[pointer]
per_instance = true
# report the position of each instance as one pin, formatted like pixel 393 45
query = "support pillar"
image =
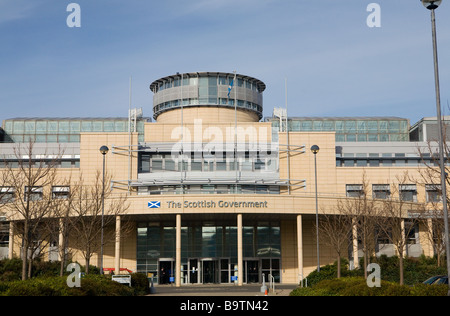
pixel 240 251
pixel 178 251
pixel 117 252
pixel 300 248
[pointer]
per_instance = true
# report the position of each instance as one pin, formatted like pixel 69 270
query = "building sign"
pixel 209 204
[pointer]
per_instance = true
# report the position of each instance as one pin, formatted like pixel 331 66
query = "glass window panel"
pixel 362 126
pixel 361 163
pixel 394 126
pixel 52 139
pixel 18 127
pixel 108 126
pixel 362 137
pixel 74 138
pixel 97 126
pixel 351 137
pixel 30 127
pixel 156 165
pixel 328 126
pixel 212 81
pixel 120 126
pixel 52 127
pixel 339 126
pixel 75 126
pixel 63 138
pixel 41 138
pixel 350 126
pixel 64 127
pixel 86 126
pixel 8 127
pixel 318 125
pixel 372 126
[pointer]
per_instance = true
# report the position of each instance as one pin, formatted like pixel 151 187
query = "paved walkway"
pixel 221 290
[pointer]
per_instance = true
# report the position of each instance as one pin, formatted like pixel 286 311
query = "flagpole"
pixel 236 165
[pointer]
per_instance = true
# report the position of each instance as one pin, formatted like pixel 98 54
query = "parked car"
pixel 437 279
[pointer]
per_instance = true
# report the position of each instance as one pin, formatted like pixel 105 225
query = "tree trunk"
pixel 339 267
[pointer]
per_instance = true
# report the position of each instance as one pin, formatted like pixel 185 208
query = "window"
pixel 433 193
pixel 6 195
pixel 354 190
pixel 408 192
pixel 381 191
pixel 34 193
pixel 60 192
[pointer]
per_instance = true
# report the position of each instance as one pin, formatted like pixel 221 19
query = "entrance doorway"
pixel 166 273
pixel 193 271
pixel 210 271
pixel 251 271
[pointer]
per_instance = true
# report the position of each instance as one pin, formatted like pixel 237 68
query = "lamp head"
pixel 104 150
pixel 315 149
pixel 431 4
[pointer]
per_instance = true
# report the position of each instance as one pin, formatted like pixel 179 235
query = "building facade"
pixel 214 192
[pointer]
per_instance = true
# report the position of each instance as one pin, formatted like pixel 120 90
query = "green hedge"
pixel 416 270
pixel 357 286
pixel 91 285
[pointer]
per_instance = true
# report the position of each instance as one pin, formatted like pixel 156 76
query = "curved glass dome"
pixel 202 89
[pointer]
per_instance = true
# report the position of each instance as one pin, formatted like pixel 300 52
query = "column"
pixel 239 250
pixel 300 247
pixel 178 251
pixel 355 243
pixel 117 253
pixel 11 240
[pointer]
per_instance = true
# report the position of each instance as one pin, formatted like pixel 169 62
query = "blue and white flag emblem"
pixel 230 87
pixel 154 204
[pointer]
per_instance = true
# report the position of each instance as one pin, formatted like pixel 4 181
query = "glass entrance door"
pixel 166 272
pixel 210 271
pixel 252 271
pixel 193 271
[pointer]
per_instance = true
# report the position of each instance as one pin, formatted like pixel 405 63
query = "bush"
pixel 330 272
pixel 48 286
pixel 358 287
pixel 140 284
pixel 91 285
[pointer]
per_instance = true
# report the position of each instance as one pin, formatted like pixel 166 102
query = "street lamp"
pixel 103 150
pixel 432 5
pixel 315 149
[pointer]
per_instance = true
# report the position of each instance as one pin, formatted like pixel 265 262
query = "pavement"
pixel 221 290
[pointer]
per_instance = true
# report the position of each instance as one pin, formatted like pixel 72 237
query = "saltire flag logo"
pixel 230 87
pixel 154 204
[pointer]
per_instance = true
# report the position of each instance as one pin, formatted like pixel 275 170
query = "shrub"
pixel 358 287
pixel 140 284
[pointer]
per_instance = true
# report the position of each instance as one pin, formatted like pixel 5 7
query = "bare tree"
pixel 430 177
pixel 392 219
pixel 86 210
pixel 27 179
pixel 364 211
pixel 335 231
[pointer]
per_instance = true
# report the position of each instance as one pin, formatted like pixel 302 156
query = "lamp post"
pixel 432 5
pixel 315 149
pixel 103 150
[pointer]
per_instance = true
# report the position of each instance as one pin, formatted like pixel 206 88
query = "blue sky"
pixel 335 65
